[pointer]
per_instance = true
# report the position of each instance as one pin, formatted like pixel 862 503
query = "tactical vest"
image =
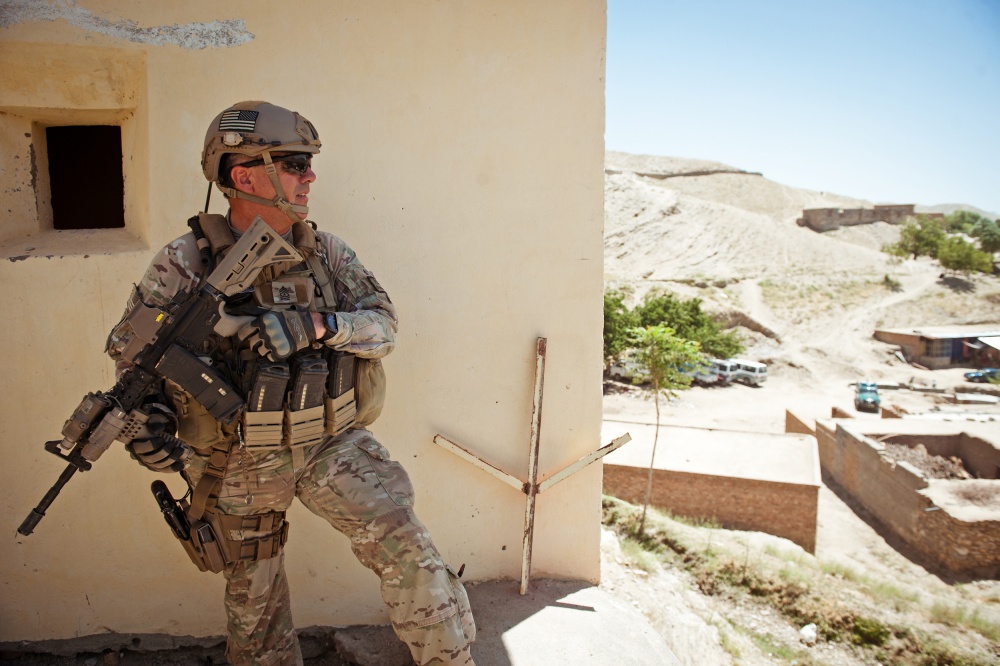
pixel 294 403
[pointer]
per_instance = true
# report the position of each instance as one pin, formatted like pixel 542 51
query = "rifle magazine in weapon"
pixel 201 381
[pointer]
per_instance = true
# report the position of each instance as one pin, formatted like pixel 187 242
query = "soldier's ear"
pixel 243 179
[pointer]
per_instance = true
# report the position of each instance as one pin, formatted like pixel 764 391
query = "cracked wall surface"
pixel 212 34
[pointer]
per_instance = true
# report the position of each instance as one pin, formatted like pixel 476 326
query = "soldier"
pixel 303 345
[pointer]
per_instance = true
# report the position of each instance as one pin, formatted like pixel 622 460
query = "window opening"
pixel 85 176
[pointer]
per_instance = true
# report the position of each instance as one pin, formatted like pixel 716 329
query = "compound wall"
pixel 828 219
pixel 903 500
pixel 783 509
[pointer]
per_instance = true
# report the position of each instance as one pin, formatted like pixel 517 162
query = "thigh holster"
pixel 217 540
pixel 214 540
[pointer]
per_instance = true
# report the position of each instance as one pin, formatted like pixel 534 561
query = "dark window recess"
pixel 85 176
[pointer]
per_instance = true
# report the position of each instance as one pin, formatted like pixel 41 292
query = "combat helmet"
pixel 258 129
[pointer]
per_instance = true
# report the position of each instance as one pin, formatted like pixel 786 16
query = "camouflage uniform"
pixel 348 480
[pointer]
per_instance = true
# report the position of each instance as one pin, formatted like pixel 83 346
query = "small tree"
pixel 956 254
pixel 918 237
pixel 618 321
pixel 988 233
pixel 665 355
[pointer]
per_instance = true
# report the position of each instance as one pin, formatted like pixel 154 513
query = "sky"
pixel 894 101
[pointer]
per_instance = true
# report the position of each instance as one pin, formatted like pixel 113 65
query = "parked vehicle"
pixel 629 367
pixel 750 372
pixel 702 374
pixel 725 370
pixel 866 397
pixel 982 376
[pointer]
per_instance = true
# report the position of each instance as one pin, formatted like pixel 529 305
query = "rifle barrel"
pixel 28 526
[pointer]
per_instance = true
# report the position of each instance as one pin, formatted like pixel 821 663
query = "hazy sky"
pixel 895 101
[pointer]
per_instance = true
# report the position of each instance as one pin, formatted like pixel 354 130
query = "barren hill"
pixel 728 236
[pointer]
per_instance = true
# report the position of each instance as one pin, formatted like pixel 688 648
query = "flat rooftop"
pixel 987 431
pixel 941 332
pixel 782 458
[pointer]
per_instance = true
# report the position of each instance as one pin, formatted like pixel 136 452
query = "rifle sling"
pixel 209 481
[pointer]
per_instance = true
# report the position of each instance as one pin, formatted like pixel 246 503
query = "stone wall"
pixel 896 495
pixel 827 219
pixel 978 456
pixel 783 509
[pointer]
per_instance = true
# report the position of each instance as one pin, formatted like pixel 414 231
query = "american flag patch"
pixel 238 121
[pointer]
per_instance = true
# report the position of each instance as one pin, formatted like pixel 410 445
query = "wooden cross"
pixel 530 486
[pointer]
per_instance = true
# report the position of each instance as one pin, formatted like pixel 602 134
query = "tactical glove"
pixel 280 333
pixel 156 448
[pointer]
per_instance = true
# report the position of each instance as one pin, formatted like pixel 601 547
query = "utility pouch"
pixel 369 385
pixel 205 548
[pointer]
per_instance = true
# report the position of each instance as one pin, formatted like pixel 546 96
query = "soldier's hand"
pixel 156 448
pixel 280 333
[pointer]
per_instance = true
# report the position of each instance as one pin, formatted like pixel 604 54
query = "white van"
pixel 725 370
pixel 750 372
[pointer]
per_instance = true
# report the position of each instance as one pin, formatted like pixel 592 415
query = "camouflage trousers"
pixel 350 482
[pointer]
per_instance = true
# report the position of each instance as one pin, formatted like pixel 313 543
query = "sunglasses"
pixel 296 163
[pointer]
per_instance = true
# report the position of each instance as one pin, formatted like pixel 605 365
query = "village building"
pixel 937 347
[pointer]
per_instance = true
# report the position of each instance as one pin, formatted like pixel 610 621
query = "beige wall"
pixel 462 159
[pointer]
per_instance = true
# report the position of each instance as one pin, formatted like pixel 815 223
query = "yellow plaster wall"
pixel 462 159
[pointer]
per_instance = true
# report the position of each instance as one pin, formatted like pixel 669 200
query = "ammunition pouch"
pixel 218 540
pixel 327 394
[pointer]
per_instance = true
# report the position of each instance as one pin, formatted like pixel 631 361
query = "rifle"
pixel 164 346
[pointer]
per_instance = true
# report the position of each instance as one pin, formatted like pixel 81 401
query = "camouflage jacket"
pixel 366 318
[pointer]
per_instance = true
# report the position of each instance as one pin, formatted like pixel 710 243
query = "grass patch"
pixel 795 575
pixel 842 602
pixel 959 616
pixel 638 556
pixel 772 648
pixel 840 571
pixel 900 599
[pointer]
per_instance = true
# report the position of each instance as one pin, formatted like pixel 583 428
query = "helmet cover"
pixel 253 128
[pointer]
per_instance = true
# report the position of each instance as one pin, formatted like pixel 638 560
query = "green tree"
pixel 618 320
pixel 963 221
pixel 988 233
pixel 664 354
pixel 918 236
pixel 688 321
pixel 961 256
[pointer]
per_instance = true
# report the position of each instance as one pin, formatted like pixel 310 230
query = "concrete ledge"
pixel 556 622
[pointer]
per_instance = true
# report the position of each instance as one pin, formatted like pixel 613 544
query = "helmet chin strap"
pixel 280 200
